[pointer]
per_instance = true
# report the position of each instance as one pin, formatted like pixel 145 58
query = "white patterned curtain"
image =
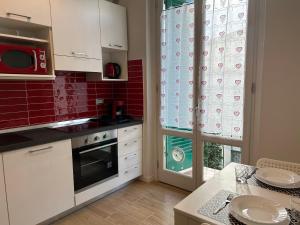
pixel 223 68
pixel 177 52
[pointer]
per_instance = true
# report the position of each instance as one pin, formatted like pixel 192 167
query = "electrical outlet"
pixel 99 101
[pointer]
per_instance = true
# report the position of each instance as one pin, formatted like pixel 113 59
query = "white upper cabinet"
pixel 39 182
pixel 113 25
pixel 32 11
pixel 76 35
pixel 3 205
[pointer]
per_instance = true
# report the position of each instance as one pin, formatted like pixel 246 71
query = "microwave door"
pixel 21 60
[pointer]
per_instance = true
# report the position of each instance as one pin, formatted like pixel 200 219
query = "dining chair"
pixel 265 162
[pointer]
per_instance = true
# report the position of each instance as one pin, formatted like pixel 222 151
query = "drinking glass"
pixel 241 173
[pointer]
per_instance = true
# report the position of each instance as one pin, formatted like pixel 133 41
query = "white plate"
pixel 255 210
pixel 278 177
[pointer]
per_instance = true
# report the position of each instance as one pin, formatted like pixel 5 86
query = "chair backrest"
pixel 264 162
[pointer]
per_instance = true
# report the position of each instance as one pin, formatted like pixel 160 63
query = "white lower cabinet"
pixel 39 182
pixel 130 153
pixel 3 205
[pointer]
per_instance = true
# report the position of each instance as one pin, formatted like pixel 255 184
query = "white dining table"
pixel 186 211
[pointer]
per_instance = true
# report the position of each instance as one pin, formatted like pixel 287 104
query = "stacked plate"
pixel 255 210
pixel 278 177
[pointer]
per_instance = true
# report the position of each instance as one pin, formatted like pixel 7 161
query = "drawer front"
pixel 129 133
pixel 129 160
pixel 130 146
pixel 131 173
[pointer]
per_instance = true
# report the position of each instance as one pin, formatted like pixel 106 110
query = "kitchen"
pixel 108 115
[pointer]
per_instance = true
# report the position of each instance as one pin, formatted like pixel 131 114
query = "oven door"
pixel 95 163
pixel 16 59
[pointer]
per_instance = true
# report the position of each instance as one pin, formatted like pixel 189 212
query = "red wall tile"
pixel 70 96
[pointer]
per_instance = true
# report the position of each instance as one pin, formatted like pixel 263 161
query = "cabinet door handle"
pixel 79 54
pixel 19 15
pixel 41 149
pixel 118 46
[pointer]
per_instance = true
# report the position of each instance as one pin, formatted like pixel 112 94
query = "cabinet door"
pixel 39 182
pixel 113 25
pixel 3 205
pixel 76 28
pixel 32 11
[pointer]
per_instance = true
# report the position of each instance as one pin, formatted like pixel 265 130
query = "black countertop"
pixel 28 138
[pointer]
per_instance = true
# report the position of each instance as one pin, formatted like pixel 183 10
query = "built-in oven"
pixel 95 158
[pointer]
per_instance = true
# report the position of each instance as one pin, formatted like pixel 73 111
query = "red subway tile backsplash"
pixel 70 96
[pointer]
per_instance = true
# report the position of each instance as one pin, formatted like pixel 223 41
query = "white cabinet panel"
pixel 130 173
pixel 113 25
pixel 76 32
pixel 97 190
pixel 129 146
pixel 130 159
pixel 39 182
pixel 129 133
pixel 32 11
pixel 130 152
pixel 3 205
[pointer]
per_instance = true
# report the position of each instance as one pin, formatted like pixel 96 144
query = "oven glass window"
pixel 17 59
pixel 95 165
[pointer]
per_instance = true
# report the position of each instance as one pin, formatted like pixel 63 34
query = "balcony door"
pixel 205 95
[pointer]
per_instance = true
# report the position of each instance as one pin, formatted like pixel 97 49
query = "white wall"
pixel 136 16
pixel 279 123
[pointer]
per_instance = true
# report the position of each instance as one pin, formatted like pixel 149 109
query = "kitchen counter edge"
pixel 42 136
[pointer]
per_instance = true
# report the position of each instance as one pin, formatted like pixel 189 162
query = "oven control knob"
pixel 104 136
pixel 96 138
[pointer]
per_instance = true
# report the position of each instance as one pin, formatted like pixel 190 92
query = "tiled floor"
pixel 137 204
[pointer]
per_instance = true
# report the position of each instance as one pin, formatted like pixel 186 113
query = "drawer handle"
pixel 132 156
pixel 125 144
pixel 79 54
pixel 125 131
pixel 126 172
pixel 19 15
pixel 41 149
pixel 135 141
pixel 119 46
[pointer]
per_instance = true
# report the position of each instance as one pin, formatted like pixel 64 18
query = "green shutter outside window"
pixel 174 3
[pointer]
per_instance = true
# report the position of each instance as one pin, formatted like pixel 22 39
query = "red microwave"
pixel 18 59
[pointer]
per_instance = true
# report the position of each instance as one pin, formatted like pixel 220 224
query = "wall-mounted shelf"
pixel 25 34
pixel 6 76
pixel 112 56
pixel 22 38
pixel 115 56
